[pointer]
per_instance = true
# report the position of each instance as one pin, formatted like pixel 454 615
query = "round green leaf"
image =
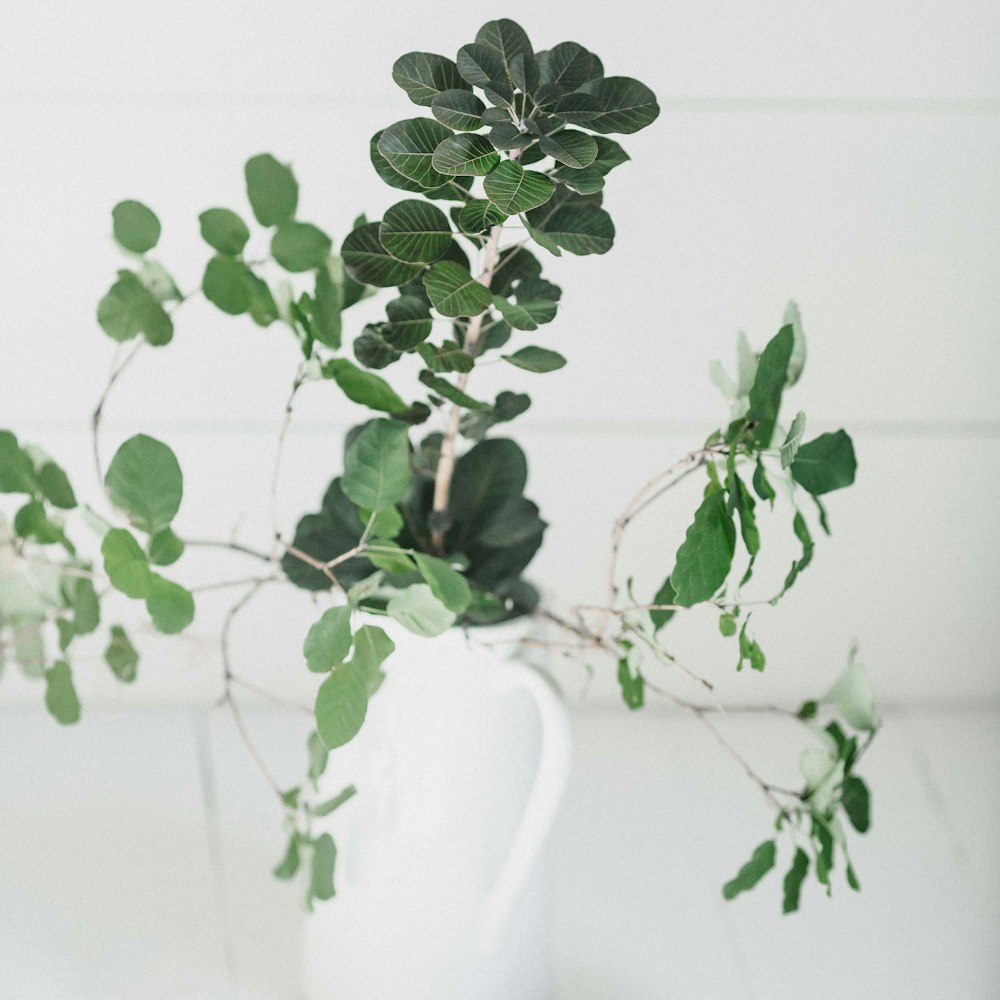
pixel 575 149
pixel 454 292
pixel 458 109
pixel 272 189
pixel 377 465
pixel 408 147
pixel 610 104
pixel 328 641
pixel 453 190
pixel 226 284
pixel 420 612
pixel 415 232
pixel 514 190
pixel 580 230
pixel 129 308
pixel 125 563
pixel 536 359
pixel 479 215
pixel 300 246
pixel 507 38
pixel 136 227
pixel 169 605
pixel 55 486
pixel 409 323
pixel 480 64
pixel 609 155
pixel 424 75
pixel 165 548
pixel 60 695
pixel 224 231
pixel 826 463
pixel 585 180
pixel 341 704
pixel 144 480
pixel 568 66
pixel 465 154
pixel 369 262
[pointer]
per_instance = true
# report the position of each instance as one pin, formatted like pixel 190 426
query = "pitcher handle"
pixel 543 802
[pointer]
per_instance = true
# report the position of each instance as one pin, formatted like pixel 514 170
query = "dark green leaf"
pixel 706 554
pixel 125 563
pixel 486 476
pixel 479 215
pixel 136 227
pixel 480 64
pixel 324 859
pixel 363 387
pixel 424 75
pixel 60 695
pixel 328 641
pixel 466 154
pixel 577 227
pixel 536 359
pixel 826 463
pixel 609 155
pixel 801 530
pixel 507 406
pixel 765 394
pixel 272 189
pixel 507 38
pixel 169 605
pixel 224 231
pixel 568 66
pixel 752 872
pixel 370 263
pixel 129 308
pixel 514 190
pixel 227 285
pixel 857 803
pixel 165 548
pixel 852 879
pixel 289 864
pixel 665 595
pixel 610 104
pixel 409 323
pixel 454 291
pixel 450 392
pixel 17 472
pixel 377 466
pixel 145 481
pixel 568 146
pixel 449 357
pixel 589 180
pixel 121 656
pixel 372 350
pixel 415 232
pixel 633 688
pixel 453 190
pixel 744 504
pixel 300 246
pixel 761 484
pixel 793 881
pixel 408 147
pixel 55 485
pixel 526 315
pixel 328 301
pixel 458 109
pixel 341 704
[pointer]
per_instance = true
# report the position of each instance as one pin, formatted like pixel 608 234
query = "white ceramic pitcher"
pixel 441 894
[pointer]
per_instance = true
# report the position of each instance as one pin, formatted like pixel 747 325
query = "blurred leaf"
pixel 289 864
pixel 633 687
pixel 224 231
pixel 136 227
pixel 328 640
pixel 793 440
pixel 363 387
pixel 332 805
pixel 121 656
pixel 300 246
pixel 144 480
pixel 793 881
pixel 536 359
pixel 665 595
pixel 324 859
pixel 377 465
pixel 60 695
pixel 165 548
pixel 341 704
pixel 857 803
pixel 169 605
pixel 418 610
pixel 826 463
pixel 125 563
pixel 752 872
pixel 272 189
pixel 706 554
pixel 129 308
pixel 446 583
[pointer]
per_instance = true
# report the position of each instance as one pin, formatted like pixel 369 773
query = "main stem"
pixel 446 463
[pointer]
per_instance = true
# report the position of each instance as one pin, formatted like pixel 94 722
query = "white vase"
pixel 442 882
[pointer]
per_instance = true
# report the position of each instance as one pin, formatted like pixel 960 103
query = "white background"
pixel 846 156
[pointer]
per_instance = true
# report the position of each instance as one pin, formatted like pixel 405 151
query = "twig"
pixel 277 699
pixel 203 543
pixel 224 584
pixel 278 453
pixel 95 419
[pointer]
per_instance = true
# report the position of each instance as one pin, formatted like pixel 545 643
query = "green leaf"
pixel 458 109
pixel 377 465
pixel 513 522
pixel 328 641
pixel 31 522
pixel 727 625
pixel 853 695
pixel 341 704
pixel 574 149
pixel 536 359
pixel 169 605
pixel 409 323
pixel 370 263
pixel 526 315
pixel 454 292
pixel 455 189
pixel 609 155
pixel 300 246
pixel 706 554
pixel 289 864
pixel 165 548
pixel 328 301
pixel 272 189
pixel 568 66
pixel 372 647
pixel 60 695
pixel 798 359
pixel 852 878
pixel 387 524
pixel 444 388
pixel 826 463
pixel 136 227
pixel 408 147
pixel 481 65
pixel 56 487
pixel 633 688
pixel 576 226
pixel 363 387
pixel 332 805
pixel 419 611
pixel 665 595
pixel 750 650
pixel 449 357
pixel 424 76
pixel 744 504
pixel 514 190
pixel 125 563
pixel 121 656
pixel 324 859
pixel 761 484
pixel 446 583
pixel 610 104
pixel 589 180
pixel 318 756
pixel 752 872
pixel 17 472
pixel 129 308
pixel 793 440
pixel 466 155
pixel 415 232
pixel 479 215
pixel 224 231
pixel 857 803
pixel 145 481
pixel 486 476
pixel 793 881
pixel 765 394
pixel 85 604
pixel 227 284
pixel 507 38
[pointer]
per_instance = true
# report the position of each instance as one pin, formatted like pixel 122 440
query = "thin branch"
pixel 243 582
pixel 204 543
pixel 95 420
pixel 277 699
pixel 278 453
